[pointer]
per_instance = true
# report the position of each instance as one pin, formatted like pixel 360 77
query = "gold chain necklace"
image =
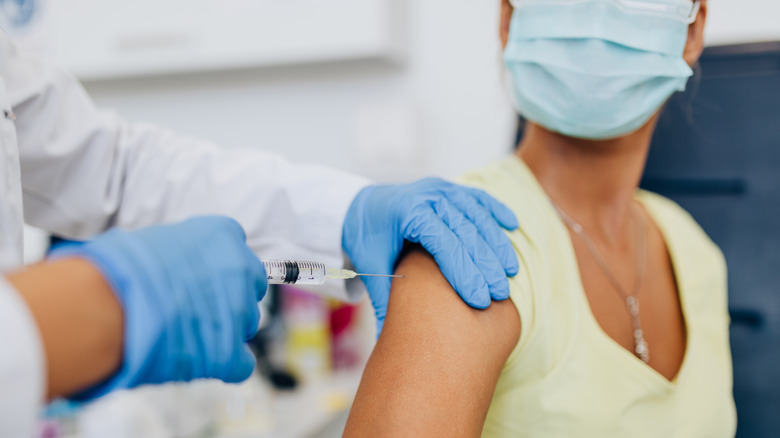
pixel 632 300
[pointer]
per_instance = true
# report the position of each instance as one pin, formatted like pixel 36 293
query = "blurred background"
pixel 396 90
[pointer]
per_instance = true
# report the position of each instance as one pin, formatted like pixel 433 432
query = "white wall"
pixel 743 21
pixel 443 109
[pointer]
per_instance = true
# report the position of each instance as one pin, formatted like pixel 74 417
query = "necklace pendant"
pixel 640 344
pixel 633 306
pixel 641 349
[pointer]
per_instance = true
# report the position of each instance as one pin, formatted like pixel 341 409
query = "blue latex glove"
pixel 189 292
pixel 459 226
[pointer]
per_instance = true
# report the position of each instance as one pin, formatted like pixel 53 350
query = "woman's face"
pixel 693 47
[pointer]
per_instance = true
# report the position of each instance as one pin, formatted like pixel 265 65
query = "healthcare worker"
pixel 158 299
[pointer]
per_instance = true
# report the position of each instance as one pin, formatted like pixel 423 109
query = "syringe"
pixel 299 272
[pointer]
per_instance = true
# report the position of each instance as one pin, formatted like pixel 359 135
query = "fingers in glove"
pixel 235 321
pixel 483 255
pixel 184 331
pixel 498 210
pixel 259 281
pixel 233 226
pixel 252 282
pixel 212 224
pixel 241 366
pixel 453 259
pixel 495 239
pixel 252 320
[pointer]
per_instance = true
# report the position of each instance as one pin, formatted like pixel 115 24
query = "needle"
pixel 380 275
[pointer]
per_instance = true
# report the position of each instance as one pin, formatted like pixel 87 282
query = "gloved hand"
pixel 189 292
pixel 459 226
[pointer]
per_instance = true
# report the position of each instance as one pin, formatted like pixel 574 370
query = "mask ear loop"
pixel 694 11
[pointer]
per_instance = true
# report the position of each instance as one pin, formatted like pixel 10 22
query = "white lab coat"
pixel 71 169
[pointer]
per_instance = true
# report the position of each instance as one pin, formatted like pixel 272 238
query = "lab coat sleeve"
pixel 85 170
pixel 22 372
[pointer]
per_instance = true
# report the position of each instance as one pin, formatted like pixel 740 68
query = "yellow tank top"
pixel 566 377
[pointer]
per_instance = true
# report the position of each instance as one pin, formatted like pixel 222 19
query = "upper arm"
pixel 437 362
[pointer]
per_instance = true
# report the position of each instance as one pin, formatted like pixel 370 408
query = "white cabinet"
pixel 101 39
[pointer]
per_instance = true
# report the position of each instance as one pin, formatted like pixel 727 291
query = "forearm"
pixel 286 209
pixel 79 319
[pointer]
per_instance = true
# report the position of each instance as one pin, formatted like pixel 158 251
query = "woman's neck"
pixel 594 182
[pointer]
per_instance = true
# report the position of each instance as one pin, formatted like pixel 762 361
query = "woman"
pixel 573 353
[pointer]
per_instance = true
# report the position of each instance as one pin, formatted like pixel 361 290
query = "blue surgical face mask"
pixel 596 69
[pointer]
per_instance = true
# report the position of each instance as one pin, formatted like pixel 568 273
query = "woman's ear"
pixel 506 19
pixel 695 44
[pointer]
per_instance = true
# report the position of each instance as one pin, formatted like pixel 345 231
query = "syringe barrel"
pixel 295 272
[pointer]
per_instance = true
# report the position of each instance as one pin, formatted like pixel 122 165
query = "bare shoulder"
pixel 424 298
pixel 436 364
